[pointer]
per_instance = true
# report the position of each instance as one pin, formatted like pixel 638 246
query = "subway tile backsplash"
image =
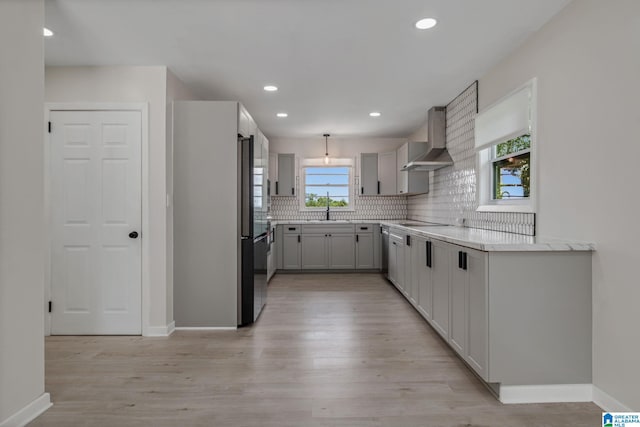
pixel 366 207
pixel 452 193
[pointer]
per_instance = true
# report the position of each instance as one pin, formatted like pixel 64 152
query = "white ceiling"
pixel 334 61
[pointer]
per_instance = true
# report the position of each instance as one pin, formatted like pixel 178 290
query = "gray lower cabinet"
pixel 368 246
pixel 440 258
pixel 397 260
pixel 504 313
pixel 289 255
pixel 342 251
pixel 314 252
pixel 329 247
pixel 425 281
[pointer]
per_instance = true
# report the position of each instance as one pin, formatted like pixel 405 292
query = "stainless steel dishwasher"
pixel 385 250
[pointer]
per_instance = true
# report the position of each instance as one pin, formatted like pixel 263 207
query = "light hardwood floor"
pixel 329 350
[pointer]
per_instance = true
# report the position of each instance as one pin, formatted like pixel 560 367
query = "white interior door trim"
pixel 143 108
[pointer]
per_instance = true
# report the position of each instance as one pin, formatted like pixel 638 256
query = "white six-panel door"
pixel 95 187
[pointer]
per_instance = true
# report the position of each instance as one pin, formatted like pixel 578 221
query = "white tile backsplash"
pixel 366 207
pixel 452 194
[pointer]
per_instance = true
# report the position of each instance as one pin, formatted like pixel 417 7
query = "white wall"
pixel 176 91
pixel 132 84
pixel 338 147
pixel 587 60
pixel 21 210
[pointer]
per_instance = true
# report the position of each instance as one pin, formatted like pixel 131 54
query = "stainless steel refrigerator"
pixel 255 229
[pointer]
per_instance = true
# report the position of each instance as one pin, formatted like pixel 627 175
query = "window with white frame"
pixel 327 185
pixel 505 141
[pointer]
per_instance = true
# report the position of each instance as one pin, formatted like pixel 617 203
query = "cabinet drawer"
pixel 291 229
pixel 328 229
pixel 364 228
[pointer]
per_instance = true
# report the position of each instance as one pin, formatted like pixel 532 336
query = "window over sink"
pixel 327 184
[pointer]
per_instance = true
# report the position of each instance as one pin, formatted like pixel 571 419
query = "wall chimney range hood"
pixel 436 155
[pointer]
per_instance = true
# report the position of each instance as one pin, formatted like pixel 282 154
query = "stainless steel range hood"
pixel 436 155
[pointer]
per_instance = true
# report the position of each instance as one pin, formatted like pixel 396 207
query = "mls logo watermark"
pixel 620 419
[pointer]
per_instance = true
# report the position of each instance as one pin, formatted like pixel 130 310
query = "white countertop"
pixel 475 238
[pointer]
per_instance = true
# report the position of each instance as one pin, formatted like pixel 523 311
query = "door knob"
pixel 133 234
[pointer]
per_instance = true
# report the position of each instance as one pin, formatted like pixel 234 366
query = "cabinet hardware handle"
pixel 298 238
pixel 357 238
pixel 378 187
pixel 361 190
pixel 428 254
pixel 408 240
pixel 459 259
pixel 293 191
pixel 364 228
pixel 464 260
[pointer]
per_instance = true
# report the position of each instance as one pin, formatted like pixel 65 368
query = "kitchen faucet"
pixel 327 206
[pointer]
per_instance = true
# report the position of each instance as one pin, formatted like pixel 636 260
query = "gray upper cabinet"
pixel 411 182
pixel 387 174
pixel 403 177
pixel 286 184
pixel 369 183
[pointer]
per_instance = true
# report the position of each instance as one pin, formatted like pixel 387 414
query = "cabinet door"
pixel 365 251
pixel 392 261
pixel 417 265
pixel 387 174
pixel 425 293
pixel 400 262
pixel 458 301
pixel 291 252
pixel 342 251
pixel 440 259
pixel 286 183
pixel 314 251
pixel 273 171
pixel 403 177
pixel 369 174
pixel 477 354
pixel 417 182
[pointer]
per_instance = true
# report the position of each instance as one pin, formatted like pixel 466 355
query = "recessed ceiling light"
pixel 270 88
pixel 47 32
pixel 282 115
pixel 374 114
pixel 426 23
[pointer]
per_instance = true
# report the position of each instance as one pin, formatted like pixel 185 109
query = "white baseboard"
pixel 160 331
pixel 607 402
pixel 551 393
pixel 29 413
pixel 206 328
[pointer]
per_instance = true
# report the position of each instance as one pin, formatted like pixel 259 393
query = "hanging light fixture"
pixel 326 148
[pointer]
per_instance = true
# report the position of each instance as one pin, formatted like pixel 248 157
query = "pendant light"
pixel 326 148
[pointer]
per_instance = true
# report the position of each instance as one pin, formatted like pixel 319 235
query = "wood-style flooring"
pixel 329 350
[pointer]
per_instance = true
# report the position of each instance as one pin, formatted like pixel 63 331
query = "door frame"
pixel 143 109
